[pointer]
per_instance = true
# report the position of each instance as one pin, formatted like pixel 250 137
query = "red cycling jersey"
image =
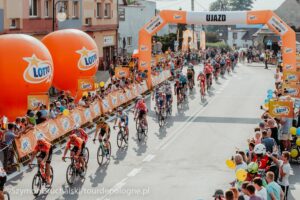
pixel 44 147
pixel 208 69
pixel 81 133
pixel 141 106
pixel 76 143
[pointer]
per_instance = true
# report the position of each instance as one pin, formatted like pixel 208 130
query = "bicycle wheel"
pixel 160 120
pixel 51 177
pixel 100 155
pixel 71 174
pixel 36 185
pixel 109 151
pixel 120 139
pixel 86 154
pixel 6 195
pixel 140 133
pixel 137 123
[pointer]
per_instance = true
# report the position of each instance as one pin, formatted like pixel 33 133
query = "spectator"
pixel 31 118
pixel 260 190
pixel 285 135
pixel 52 111
pixel 284 172
pixel 229 195
pixel 244 192
pixel 219 195
pixel 8 139
pixel 274 191
pixel 239 162
pixel 251 192
pixel 235 193
pixel 268 141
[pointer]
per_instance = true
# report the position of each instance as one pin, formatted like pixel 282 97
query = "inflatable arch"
pixel 279 27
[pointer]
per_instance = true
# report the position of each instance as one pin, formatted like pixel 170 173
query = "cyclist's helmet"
pixel 101 119
pixel 139 97
pixel 72 137
pixel 252 168
pixel 260 149
pixel 120 109
pixel 40 141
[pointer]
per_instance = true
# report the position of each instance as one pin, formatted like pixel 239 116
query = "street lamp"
pixel 61 15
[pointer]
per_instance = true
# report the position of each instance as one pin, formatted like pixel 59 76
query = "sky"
pixel 202 5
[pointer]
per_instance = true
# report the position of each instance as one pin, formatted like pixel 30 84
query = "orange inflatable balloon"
pixel 75 56
pixel 25 69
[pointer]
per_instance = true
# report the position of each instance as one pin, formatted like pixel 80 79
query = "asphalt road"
pixel 184 160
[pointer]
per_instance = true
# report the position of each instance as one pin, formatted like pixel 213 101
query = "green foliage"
pixel 218 45
pixel 219 5
pixel 166 40
pixel 212 37
pixel 241 4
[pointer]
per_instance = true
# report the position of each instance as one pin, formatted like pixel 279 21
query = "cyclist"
pixel 190 74
pixel 123 118
pixel 177 90
pixel 183 82
pixel 208 70
pixel 45 149
pixel 161 101
pixel 104 130
pixel 202 79
pixel 80 133
pixel 154 96
pixel 77 150
pixel 3 178
pixel 168 91
pixel 141 110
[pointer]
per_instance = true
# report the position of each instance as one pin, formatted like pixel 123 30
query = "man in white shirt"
pixel 260 190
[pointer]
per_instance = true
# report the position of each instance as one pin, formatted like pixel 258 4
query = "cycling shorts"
pixel 42 155
pixel 141 114
pixel 75 149
pixel 2 182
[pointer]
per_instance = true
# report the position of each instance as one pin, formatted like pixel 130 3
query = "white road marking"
pixel 148 158
pixel 134 172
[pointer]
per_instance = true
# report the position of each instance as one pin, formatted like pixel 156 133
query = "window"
pixel 129 41
pixel 107 10
pixel 75 9
pixel 63 8
pixel 88 21
pixel 234 36
pixel 47 8
pixel 122 14
pixel 14 23
pixel 99 10
pixel 33 8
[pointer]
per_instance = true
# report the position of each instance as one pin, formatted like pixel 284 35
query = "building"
pixel 35 17
pixel 132 17
pixel 240 36
pixel 1 16
pixel 288 11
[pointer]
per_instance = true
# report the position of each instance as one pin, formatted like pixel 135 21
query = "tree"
pixel 180 29
pixel 219 5
pixel 241 4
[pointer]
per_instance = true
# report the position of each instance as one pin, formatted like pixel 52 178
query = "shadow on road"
pixel 98 177
pixel 120 155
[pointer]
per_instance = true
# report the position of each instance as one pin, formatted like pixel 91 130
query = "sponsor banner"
pixel 106 106
pixel 293 89
pixel 288 67
pixel 281 109
pixel 291 76
pixel 34 101
pixel 114 99
pixel 278 25
pixel 122 72
pixel 161 58
pixel 88 59
pixel 122 97
pixel 96 109
pixel 87 84
pixel 37 71
pixel 153 25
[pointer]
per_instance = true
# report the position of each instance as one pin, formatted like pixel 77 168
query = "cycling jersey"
pixel 81 133
pixel 183 79
pixel 168 90
pixel 208 69
pixel 44 147
pixel 123 117
pixel 141 106
pixel 161 100
pixel 76 143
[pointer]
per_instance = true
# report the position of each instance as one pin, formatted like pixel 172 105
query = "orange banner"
pixel 122 72
pixel 34 101
pixel 86 84
pixel 281 108
pixel 293 89
pixel 291 76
